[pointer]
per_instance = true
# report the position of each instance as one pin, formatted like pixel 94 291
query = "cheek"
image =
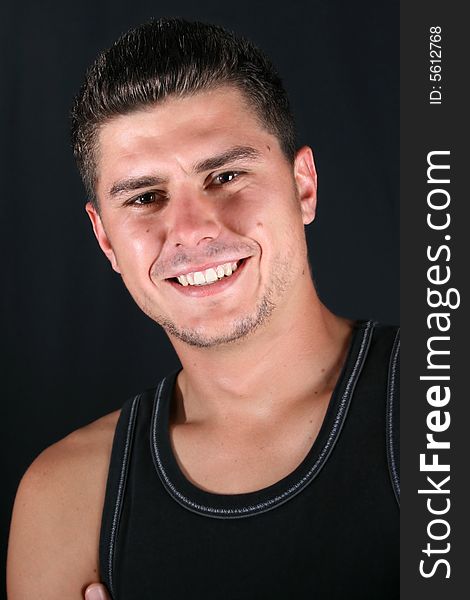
pixel 246 212
pixel 269 219
pixel 137 245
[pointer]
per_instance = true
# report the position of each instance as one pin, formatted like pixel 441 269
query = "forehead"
pixel 179 130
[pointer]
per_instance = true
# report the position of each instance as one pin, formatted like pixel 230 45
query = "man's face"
pixel 203 215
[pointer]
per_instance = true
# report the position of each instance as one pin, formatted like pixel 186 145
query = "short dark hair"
pixel 174 57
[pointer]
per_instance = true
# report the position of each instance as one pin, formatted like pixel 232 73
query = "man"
pixel 267 466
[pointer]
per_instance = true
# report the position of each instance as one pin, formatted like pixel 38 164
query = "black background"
pixel 74 346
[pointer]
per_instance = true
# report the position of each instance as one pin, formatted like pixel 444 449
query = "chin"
pixel 224 334
pixel 203 337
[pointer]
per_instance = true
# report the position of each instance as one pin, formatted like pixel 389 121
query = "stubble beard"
pixel 242 327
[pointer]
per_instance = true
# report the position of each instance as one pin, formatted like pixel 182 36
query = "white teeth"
pixel 209 275
pixel 199 278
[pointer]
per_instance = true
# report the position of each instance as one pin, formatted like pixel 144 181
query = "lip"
pixel 201 291
pixel 205 266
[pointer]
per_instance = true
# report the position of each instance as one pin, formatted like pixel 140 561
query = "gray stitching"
pixel 262 506
pixel 391 395
pixel 119 496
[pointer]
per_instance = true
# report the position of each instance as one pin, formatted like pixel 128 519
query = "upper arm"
pixel 54 536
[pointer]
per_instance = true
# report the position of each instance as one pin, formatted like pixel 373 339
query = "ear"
pixel 305 176
pixel 101 235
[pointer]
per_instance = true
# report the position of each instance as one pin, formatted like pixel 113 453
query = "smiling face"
pixel 203 215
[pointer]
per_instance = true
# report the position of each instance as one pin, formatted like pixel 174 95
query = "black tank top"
pixel 328 530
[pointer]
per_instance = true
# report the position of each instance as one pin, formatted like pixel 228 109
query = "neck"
pixel 298 353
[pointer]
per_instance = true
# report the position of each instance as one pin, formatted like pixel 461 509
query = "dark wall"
pixel 74 345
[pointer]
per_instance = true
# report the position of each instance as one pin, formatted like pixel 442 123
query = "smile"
pixel 209 276
pixel 209 282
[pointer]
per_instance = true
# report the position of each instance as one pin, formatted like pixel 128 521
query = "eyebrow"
pixel 230 155
pixel 208 164
pixel 135 183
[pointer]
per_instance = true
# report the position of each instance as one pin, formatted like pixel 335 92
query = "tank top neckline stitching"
pixel 293 489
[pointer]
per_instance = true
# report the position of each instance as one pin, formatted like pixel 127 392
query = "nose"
pixel 192 219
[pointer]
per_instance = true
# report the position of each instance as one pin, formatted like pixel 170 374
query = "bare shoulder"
pixel 54 536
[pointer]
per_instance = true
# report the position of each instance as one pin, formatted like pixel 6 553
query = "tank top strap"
pixel 393 417
pixel 116 483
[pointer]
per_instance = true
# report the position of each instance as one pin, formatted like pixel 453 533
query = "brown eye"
pixel 143 199
pixel 224 178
